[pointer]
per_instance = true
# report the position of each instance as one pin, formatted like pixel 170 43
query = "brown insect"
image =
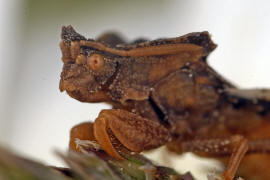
pixel 164 93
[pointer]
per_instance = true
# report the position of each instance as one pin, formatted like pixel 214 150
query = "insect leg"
pixel 131 130
pixel 235 146
pixel 82 131
pixel 239 151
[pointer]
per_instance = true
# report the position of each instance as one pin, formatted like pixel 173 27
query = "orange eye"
pixel 95 61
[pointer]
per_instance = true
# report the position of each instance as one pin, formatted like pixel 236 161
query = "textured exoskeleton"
pixel 164 93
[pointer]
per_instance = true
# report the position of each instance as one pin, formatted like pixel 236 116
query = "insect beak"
pixel 61 85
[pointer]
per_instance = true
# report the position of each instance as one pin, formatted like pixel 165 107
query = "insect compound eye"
pixel 95 61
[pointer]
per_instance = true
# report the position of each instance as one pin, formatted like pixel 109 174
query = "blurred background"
pixel 35 118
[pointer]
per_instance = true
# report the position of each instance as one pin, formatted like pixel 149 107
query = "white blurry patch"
pixel 187 162
pixel 86 143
